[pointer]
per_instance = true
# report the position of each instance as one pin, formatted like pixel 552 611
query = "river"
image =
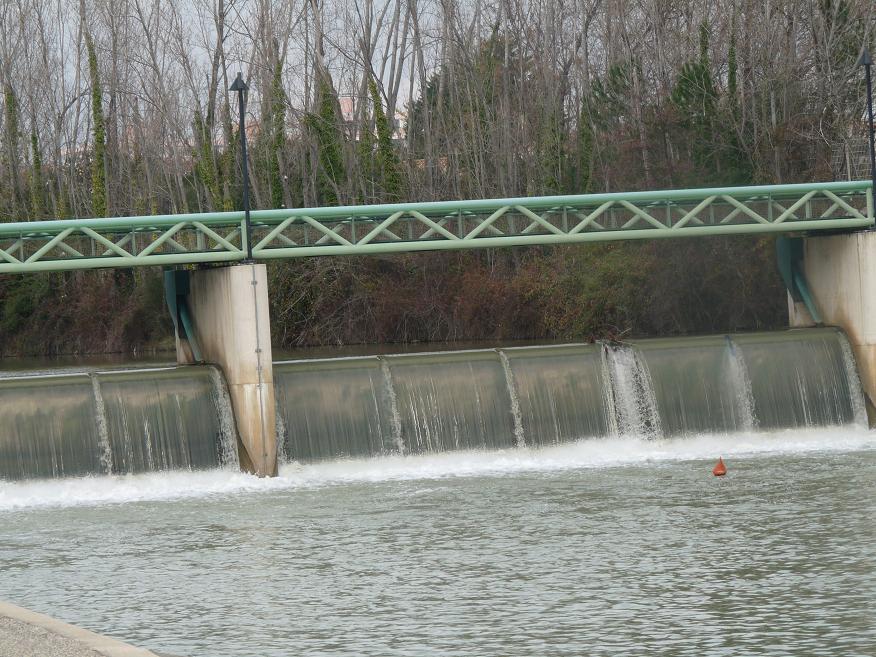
pixel 616 546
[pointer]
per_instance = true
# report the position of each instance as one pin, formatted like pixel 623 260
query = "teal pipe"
pixel 789 253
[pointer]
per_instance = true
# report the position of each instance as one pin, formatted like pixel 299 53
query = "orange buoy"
pixel 720 469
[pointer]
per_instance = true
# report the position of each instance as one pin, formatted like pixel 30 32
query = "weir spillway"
pixel 546 395
pixel 114 422
pixel 129 421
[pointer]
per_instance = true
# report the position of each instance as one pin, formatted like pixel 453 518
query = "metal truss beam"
pixel 452 225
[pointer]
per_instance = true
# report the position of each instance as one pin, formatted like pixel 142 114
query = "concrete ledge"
pixel 25 633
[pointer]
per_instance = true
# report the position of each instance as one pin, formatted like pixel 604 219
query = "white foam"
pixel 100 490
pixel 593 453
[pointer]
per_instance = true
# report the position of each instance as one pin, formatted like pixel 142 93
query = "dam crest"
pixel 180 418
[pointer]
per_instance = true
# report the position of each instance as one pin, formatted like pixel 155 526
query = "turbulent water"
pixel 612 547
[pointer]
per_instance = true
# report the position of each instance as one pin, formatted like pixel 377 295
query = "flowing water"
pixel 62 424
pixel 552 500
pixel 550 395
pixel 612 547
pixel 66 423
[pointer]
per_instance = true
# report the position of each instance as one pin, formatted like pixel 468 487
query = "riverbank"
pixel 25 633
pixel 565 294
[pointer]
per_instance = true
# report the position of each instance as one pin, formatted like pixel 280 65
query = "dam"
pixel 459 494
pixel 127 421
pixel 216 285
pixel 479 487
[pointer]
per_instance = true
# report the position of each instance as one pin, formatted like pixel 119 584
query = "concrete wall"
pixel 229 308
pixel 841 273
pixel 25 633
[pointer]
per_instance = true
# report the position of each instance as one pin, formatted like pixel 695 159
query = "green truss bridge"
pixel 374 229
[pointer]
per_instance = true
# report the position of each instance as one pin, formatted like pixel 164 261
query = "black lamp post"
pixel 241 88
pixel 866 61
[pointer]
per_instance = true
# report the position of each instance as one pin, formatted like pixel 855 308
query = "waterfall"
pixel 485 399
pixel 127 421
pixel 635 404
pixel 336 407
pixel 856 391
pixel 740 387
pixel 282 438
pixel 515 400
pixel 452 400
pixel 394 415
pixel 228 455
pixel 118 421
pixel 801 378
pixel 561 391
pixel 613 428
pixel 106 452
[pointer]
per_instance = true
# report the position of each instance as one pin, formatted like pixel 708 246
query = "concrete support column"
pixel 229 311
pixel 841 273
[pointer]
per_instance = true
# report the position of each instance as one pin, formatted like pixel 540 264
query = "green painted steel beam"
pixel 72 264
pixel 536 240
pixel 449 225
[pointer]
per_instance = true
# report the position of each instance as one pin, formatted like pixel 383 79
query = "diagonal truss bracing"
pixel 451 225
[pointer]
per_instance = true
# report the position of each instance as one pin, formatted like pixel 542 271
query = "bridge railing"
pixel 394 228
pixel 70 244
pixel 563 219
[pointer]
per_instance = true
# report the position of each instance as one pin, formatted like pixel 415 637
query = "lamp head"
pixel 240 85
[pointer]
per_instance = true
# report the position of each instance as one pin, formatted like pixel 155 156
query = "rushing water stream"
pixel 524 501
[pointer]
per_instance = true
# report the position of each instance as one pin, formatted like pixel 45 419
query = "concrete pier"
pixel 229 313
pixel 841 273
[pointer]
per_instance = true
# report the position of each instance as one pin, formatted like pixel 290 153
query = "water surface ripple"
pixel 529 552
